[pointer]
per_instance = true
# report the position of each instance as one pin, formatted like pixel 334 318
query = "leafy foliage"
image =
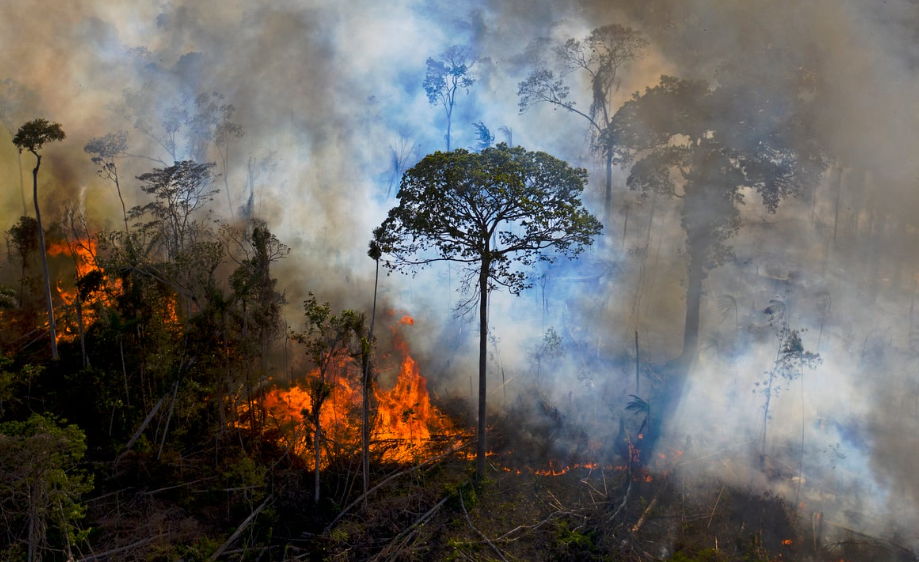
pixel 32 136
pixel 452 206
pixel 40 485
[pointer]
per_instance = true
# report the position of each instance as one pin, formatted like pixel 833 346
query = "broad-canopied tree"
pixel 709 146
pixel 496 212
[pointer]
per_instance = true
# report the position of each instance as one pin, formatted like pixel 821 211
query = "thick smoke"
pixel 329 96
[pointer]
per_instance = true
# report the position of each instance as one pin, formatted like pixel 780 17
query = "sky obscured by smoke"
pixel 328 92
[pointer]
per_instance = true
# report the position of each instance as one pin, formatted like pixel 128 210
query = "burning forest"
pixel 307 280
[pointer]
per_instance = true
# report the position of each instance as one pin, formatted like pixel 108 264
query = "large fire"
pixel 405 426
pixel 83 255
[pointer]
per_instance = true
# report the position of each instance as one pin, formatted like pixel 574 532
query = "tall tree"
pixel 367 342
pixel 495 212
pixel 256 300
pixel 446 77
pixel 104 152
pixel 706 146
pixel 32 136
pixel 601 55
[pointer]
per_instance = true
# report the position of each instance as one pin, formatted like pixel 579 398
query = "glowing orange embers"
pixel 406 425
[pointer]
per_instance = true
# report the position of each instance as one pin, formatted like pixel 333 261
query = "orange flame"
pixel 405 426
pixel 83 254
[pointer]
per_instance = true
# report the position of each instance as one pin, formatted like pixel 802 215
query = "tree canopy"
pixel 503 206
pixel 32 136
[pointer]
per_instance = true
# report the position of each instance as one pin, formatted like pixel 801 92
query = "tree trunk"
pixel 483 356
pixel 693 305
pixel 22 187
pixel 365 405
pixel 316 445
pixel 44 260
pixel 82 329
pixel 609 184
pixel 124 209
pixel 766 414
pixel 226 182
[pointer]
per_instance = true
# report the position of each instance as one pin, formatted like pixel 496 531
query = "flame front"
pixel 405 427
pixel 83 254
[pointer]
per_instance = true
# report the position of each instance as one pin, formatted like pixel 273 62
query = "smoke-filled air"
pixel 521 280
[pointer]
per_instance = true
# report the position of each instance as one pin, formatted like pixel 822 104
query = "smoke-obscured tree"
pixel 547 354
pixel 495 212
pixel 708 147
pixel 32 136
pixel 484 137
pixel 22 242
pixel 400 155
pixel 213 120
pixel 445 77
pixel 790 361
pixel 105 151
pixel 161 121
pixel 601 55
pixel 16 101
pixel 183 123
pixel 329 339
pixel 256 300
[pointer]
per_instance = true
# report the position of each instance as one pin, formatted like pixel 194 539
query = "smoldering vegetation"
pixel 805 380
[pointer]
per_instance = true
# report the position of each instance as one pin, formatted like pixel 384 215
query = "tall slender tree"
pixel 601 55
pixel 104 152
pixel 495 212
pixel 445 78
pixel 32 136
